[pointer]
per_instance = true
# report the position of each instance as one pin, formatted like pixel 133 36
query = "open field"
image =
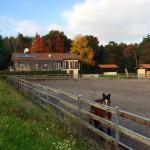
pixel 129 95
pixel 26 126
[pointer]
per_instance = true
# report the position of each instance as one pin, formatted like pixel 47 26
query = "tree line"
pixel 90 51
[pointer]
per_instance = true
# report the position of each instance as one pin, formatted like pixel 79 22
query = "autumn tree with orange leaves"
pixel 85 53
pixel 57 41
pixel 38 45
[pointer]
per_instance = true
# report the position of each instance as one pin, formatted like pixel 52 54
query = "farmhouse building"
pixel 68 62
pixel 143 71
pixel 108 69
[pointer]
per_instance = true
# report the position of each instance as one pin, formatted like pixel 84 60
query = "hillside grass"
pixel 26 126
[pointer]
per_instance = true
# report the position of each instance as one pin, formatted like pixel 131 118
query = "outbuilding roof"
pixel 145 66
pixel 44 56
pixel 108 66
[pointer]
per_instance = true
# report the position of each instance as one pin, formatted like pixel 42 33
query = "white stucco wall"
pixel 75 71
pixel 147 74
pixel 110 73
pixel 141 73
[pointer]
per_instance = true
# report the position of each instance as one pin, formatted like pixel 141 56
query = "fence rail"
pixel 83 76
pixel 72 105
pixel 45 76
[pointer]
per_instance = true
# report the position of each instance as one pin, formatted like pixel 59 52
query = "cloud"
pixel 27 27
pixel 54 27
pixel 10 26
pixel 119 20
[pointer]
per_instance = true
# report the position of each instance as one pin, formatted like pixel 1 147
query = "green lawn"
pixel 25 126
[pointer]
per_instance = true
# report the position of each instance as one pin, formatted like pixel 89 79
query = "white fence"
pixel 76 107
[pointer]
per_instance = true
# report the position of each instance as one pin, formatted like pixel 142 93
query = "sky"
pixel 110 20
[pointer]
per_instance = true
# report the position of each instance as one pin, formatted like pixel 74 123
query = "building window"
pixel 65 65
pixel 45 65
pixel 73 65
pixel 59 65
pixel 36 66
pixel 21 65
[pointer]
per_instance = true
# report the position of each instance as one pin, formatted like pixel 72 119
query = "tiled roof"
pixel 64 56
pixel 108 66
pixel 43 56
pixel 145 66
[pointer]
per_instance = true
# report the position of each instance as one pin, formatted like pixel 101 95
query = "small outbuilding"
pixel 143 71
pixel 108 69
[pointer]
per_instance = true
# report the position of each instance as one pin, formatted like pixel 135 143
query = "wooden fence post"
pixel 77 85
pixel 59 103
pixel 39 88
pixel 47 96
pixel 19 85
pixel 23 87
pixel 32 90
pixel 16 83
pixel 79 106
pixel 35 87
pixel 117 136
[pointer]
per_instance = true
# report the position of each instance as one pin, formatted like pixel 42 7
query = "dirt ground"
pixel 131 95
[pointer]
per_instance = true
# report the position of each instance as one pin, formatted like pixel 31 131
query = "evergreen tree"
pixel 5 55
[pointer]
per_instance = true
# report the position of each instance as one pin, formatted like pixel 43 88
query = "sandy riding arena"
pixel 132 95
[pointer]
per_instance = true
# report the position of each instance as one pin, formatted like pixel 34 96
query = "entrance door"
pixel 71 73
